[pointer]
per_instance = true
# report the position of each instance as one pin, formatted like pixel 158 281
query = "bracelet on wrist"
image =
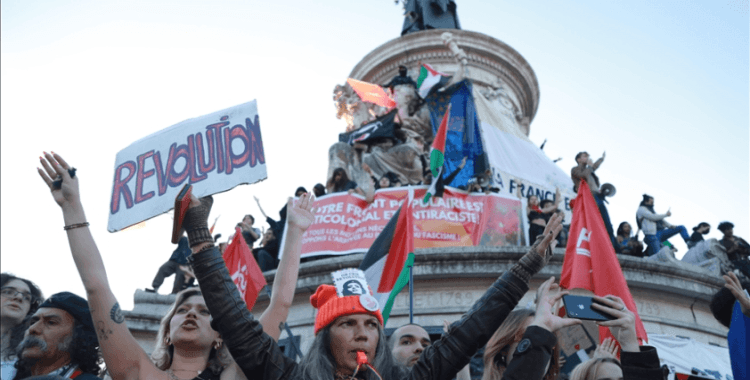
pixel 77 225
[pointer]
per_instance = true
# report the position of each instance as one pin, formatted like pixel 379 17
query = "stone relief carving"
pixel 352 109
pixel 404 158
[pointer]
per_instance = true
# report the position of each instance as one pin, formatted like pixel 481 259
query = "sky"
pixel 661 86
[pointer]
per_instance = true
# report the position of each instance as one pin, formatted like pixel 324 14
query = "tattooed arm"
pixel 124 357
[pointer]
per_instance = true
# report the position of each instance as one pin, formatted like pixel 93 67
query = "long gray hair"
pixel 320 364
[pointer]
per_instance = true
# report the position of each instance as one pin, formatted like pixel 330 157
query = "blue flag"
pixel 463 138
pixel 738 339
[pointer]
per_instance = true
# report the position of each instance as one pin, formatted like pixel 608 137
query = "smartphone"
pixel 579 307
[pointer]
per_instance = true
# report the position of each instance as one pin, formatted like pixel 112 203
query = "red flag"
pixel 245 272
pixel 590 261
pixel 371 93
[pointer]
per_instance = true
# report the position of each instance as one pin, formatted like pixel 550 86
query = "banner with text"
pixel 346 223
pixel 214 153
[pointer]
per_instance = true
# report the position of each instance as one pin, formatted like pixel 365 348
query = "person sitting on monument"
pixel 19 300
pixel 60 340
pixel 172 267
pixel 388 180
pixel 186 345
pixel 648 221
pixel 539 214
pixel 349 333
pixel 738 251
pixel 624 234
pixel 319 190
pixel 339 182
pixel 249 233
pixel 268 251
pixel 562 238
pixel 585 170
pixel 696 237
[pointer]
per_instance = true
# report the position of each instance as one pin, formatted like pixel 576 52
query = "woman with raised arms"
pixel 349 339
pixel 186 347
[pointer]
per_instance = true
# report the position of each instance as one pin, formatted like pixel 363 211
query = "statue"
pixel 412 114
pixel 400 154
pixel 429 14
pixel 403 153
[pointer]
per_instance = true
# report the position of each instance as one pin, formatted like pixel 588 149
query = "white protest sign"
pixel 350 282
pixel 214 153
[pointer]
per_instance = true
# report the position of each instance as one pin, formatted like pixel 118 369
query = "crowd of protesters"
pixel 208 333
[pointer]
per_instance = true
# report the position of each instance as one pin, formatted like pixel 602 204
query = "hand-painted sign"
pixel 346 223
pixel 214 153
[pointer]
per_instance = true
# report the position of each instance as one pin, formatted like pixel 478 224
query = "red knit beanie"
pixel 330 306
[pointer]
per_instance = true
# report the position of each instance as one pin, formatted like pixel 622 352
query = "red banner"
pixel 244 270
pixel 347 223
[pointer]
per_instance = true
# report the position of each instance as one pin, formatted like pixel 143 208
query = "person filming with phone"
pixel 637 362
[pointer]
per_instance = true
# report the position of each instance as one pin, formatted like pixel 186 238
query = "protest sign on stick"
pixel 214 153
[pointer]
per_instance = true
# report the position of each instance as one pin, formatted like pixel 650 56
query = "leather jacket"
pixel 260 357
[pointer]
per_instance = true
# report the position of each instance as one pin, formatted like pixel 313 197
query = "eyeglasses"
pixel 12 292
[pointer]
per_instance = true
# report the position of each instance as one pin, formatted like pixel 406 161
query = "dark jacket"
pixel 532 354
pixel 642 365
pixel 182 252
pixel 260 357
pixel 535 351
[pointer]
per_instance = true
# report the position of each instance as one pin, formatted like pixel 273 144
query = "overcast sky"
pixel 661 86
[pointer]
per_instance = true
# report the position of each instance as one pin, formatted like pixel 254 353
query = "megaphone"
pixel 608 190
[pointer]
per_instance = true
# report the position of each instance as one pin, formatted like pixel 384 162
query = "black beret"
pixel 74 305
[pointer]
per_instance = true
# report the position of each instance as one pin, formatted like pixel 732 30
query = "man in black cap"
pixel 61 340
pixel 738 250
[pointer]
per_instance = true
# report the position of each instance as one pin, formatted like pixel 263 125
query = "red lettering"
pixel 193 170
pixel 238 132
pixel 160 174
pixel 121 187
pixel 217 132
pixel 256 142
pixel 202 167
pixel 228 150
pixel 175 179
pixel 139 196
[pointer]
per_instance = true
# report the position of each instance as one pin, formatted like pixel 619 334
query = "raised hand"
pixel 548 295
pixel 622 328
pixel 300 212
pixel 607 349
pixel 55 168
pixel 553 228
pixel 734 286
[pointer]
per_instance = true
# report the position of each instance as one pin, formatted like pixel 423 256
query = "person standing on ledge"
pixel 585 170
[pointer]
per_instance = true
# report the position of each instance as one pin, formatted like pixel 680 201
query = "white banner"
pixel 684 354
pixel 513 159
pixel 214 153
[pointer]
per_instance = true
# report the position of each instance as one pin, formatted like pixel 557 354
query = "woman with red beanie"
pixel 349 339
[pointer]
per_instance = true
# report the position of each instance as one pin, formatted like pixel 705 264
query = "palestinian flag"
pixel 385 262
pixel 429 80
pixel 437 155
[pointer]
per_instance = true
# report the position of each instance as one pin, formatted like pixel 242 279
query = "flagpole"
pixel 411 296
pixel 286 328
